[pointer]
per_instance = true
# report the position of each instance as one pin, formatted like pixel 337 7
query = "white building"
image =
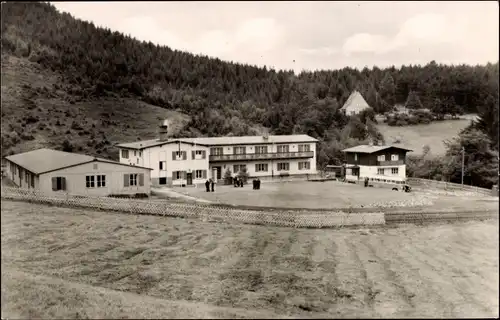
pixel 377 163
pixel 355 104
pixel 188 161
pixel 51 172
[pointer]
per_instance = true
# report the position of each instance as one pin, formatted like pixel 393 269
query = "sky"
pixel 309 35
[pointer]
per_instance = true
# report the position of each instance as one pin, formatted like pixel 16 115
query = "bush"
pixel 67 146
pixel 413 120
pixel 401 123
pixel 27 136
pixel 228 177
pixel 243 175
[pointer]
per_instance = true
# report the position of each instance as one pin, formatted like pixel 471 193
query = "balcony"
pixel 390 163
pixel 262 156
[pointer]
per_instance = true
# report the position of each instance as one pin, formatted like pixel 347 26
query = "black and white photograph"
pixel 249 159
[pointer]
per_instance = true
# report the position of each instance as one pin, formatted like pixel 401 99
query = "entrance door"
pixel 216 173
pixel 189 178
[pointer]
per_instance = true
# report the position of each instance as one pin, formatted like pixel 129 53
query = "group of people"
pixel 238 182
pixel 210 184
pixel 256 184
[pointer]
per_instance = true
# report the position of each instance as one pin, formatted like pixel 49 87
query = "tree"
pixel 413 101
pixel 481 162
pixel 387 90
pixel 67 146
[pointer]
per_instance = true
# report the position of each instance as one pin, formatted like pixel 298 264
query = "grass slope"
pixel 417 136
pixel 39 108
pixel 448 270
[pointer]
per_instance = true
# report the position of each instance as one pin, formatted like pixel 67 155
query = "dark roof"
pixel 47 160
pixel 371 149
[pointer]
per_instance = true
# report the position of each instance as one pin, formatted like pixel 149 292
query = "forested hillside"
pixel 222 98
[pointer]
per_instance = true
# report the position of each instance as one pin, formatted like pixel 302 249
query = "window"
pixel 135 153
pixel 101 181
pixel 283 148
pixel 198 152
pixel 90 181
pixel 261 150
pixel 21 172
pixel 260 167
pixel 163 181
pixel 163 165
pixel 304 147
pixel 179 155
pixel 218 151
pixel 198 174
pixel 133 179
pixel 176 175
pixel 125 154
pixel 137 160
pixel 95 166
pixel 395 157
pixel 239 167
pixel 283 166
pixel 394 170
pixel 381 157
pixel 239 150
pixel 27 177
pixel 140 153
pixel 304 165
pixel 355 157
pixel 380 171
pixel 32 181
pixel 58 183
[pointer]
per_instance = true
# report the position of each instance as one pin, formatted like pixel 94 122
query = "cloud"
pixel 309 35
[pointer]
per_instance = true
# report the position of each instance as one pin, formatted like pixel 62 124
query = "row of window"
pixel 29 178
pixel 125 154
pixel 218 151
pixel 282 166
pixel 381 171
pixel 99 181
pixel 182 175
pixel 394 157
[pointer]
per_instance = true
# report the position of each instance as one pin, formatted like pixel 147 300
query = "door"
pixel 189 178
pixel 216 173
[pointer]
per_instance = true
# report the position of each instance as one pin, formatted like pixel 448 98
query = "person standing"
pixel 213 185
pixel 207 185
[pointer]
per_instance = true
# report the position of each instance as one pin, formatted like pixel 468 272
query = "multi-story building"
pixel 189 161
pixel 377 163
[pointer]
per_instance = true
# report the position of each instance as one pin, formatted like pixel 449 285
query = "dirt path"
pixel 446 270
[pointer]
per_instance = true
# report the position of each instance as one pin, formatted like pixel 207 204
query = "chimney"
pixel 164 130
pixel 265 136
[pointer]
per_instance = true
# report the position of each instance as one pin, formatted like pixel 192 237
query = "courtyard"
pixel 335 194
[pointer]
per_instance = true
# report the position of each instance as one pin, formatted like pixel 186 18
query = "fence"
pixel 417 182
pixel 312 219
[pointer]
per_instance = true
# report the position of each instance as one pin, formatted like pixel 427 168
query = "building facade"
pixel 52 172
pixel 377 163
pixel 191 161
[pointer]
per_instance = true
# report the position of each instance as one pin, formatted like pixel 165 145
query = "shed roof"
pixel 218 141
pixel 46 160
pixel 371 149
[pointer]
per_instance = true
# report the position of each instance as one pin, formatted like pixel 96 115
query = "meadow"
pixel 63 263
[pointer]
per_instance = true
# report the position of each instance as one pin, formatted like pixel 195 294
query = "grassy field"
pixel 333 194
pixel 433 134
pixel 61 263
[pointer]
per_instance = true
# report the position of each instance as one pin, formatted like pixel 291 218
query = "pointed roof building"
pixel 354 104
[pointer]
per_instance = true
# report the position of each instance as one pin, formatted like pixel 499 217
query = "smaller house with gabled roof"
pixel 51 171
pixel 377 163
pixel 355 104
